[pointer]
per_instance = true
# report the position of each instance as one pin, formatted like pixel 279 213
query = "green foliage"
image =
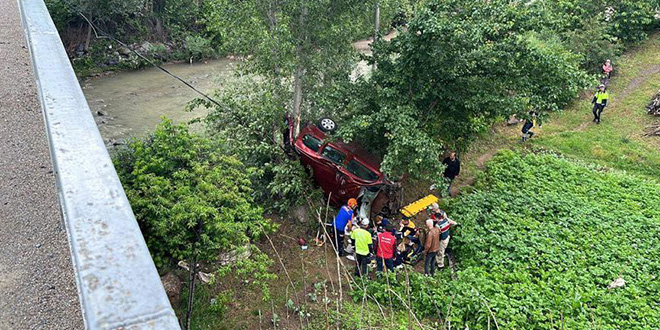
pixel 539 242
pixel 253 270
pixel 198 48
pixel 189 198
pixel 249 125
pixel 451 76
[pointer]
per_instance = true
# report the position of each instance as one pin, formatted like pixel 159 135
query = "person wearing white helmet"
pixel 363 247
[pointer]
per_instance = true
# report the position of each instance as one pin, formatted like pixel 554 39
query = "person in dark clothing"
pixel 530 123
pixel 381 223
pixel 409 231
pixel 452 170
pixel 600 102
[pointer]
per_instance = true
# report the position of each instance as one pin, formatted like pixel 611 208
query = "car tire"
pixel 327 125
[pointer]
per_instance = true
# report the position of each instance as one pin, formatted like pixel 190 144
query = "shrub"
pixel 188 197
pixel 540 241
pixel 197 47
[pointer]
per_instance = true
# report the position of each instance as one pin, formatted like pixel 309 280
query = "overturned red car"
pixel 342 170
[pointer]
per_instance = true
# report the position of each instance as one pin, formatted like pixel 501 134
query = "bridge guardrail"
pixel 118 285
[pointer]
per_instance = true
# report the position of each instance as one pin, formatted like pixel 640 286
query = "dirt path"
pixel 635 83
pixel 364 45
pixel 575 119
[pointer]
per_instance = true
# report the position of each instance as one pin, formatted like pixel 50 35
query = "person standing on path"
pixel 343 218
pixel 363 247
pixel 431 247
pixel 607 69
pixel 600 102
pixel 444 225
pixel 452 170
pixel 385 250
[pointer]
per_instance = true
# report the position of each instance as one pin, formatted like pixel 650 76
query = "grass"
pixel 618 142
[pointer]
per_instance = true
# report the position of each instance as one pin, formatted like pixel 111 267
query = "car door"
pixel 329 173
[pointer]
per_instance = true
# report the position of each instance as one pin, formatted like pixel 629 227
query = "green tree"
pixel 190 200
pixel 99 12
pixel 460 66
pixel 243 126
pixel 300 45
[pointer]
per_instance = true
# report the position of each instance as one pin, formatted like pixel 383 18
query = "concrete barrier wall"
pixel 118 284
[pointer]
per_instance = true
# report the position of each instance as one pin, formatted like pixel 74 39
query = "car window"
pixel 311 142
pixel 361 171
pixel 334 155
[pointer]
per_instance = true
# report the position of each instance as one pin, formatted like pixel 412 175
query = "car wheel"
pixel 327 125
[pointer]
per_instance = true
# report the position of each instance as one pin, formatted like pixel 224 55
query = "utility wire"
pixel 100 33
pixel 150 61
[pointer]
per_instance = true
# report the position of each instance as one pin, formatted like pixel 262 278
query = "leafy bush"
pixel 541 239
pixel 188 197
pixel 197 47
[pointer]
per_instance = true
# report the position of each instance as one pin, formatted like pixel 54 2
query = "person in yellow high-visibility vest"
pixel 530 123
pixel 600 102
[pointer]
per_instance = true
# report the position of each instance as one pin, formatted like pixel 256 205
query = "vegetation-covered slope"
pixel 541 239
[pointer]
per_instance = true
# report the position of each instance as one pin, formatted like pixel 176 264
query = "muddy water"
pixel 132 103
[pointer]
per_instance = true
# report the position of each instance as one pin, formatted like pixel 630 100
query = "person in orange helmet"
pixel 344 218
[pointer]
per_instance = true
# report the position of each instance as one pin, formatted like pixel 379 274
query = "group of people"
pixel 387 245
pixel 599 101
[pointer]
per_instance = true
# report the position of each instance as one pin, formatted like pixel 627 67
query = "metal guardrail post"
pixel 118 285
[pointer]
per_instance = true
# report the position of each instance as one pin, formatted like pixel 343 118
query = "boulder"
pixel 124 51
pixel 231 257
pixel 300 214
pixel 172 285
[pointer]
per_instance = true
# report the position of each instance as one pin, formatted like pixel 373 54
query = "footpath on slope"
pixel 37 287
pixel 619 142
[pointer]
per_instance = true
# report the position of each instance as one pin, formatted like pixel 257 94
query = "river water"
pixel 132 103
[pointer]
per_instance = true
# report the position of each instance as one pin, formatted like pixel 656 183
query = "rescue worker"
pixel 363 247
pixel 380 223
pixel 344 218
pixel 385 250
pixel 410 232
pixel 600 102
pixel 528 125
pixel 431 247
pixel 444 225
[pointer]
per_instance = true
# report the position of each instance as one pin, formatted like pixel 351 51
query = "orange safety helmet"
pixel 352 202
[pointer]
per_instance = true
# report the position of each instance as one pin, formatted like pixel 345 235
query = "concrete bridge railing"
pixel 118 285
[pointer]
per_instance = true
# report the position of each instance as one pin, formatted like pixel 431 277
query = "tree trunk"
pixel 298 76
pixel 191 291
pixel 89 33
pixel 377 21
pixel 297 98
pixel 271 13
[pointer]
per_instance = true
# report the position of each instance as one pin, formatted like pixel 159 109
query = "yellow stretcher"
pixel 413 208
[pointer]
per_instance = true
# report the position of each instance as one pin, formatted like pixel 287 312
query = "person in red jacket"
pixel 386 246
